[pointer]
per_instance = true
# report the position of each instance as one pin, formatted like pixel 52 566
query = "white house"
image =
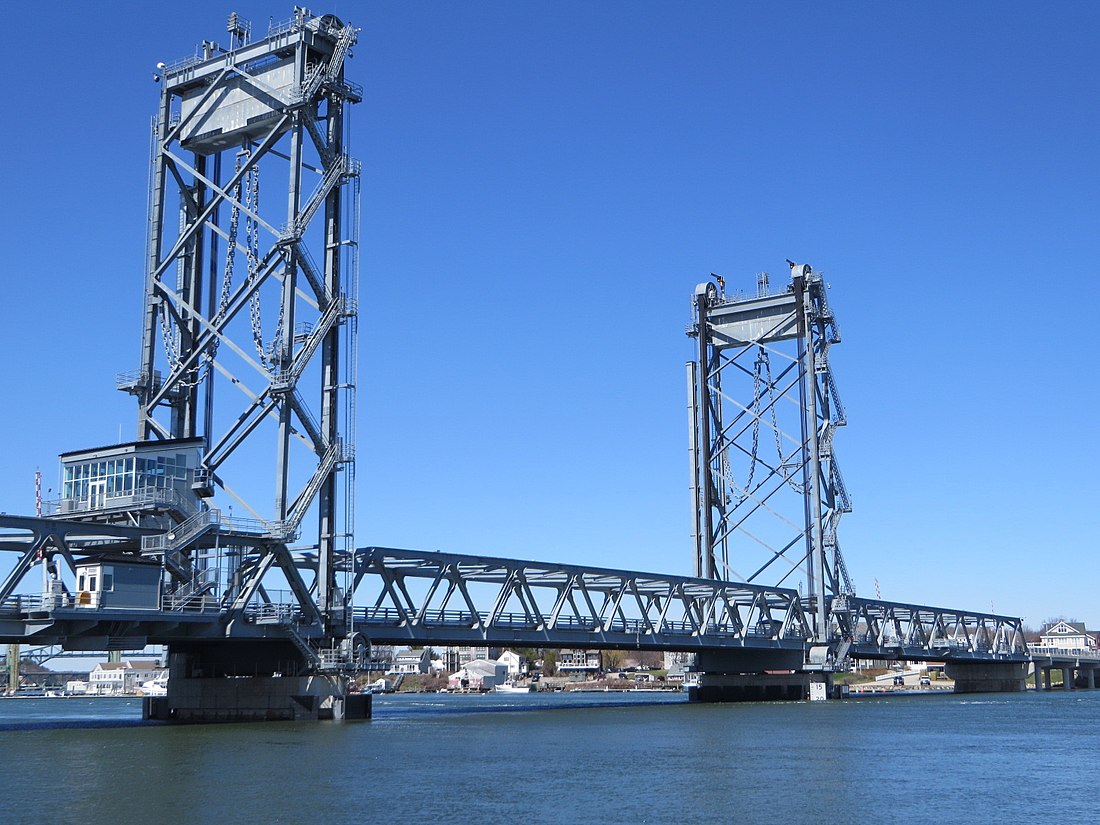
pixel 480 674
pixel 411 661
pixel 677 664
pixel 455 657
pixel 1067 636
pixel 516 664
pixel 122 677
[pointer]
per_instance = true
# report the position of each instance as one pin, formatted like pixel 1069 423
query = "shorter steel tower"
pixel 767 493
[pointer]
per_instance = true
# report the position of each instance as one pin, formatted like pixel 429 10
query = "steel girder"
pixel 763 406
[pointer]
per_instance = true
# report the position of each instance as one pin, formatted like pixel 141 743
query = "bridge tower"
pixel 248 340
pixel 767 492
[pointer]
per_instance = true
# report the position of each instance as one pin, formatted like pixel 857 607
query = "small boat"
pixel 155 687
pixel 512 687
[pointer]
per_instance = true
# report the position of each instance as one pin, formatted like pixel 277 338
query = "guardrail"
pixel 1064 653
pixel 390 617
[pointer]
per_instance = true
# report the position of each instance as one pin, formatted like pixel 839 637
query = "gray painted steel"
pixel 767 493
pixel 219 382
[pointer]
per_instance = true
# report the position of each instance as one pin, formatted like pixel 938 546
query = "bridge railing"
pixel 391 617
pixel 1064 653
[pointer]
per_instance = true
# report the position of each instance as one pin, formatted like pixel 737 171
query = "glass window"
pixel 108 578
pixel 91 582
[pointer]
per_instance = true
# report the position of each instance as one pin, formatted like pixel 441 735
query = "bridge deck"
pixel 420 597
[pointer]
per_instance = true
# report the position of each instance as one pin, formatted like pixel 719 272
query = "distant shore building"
pixel 455 657
pixel 677 664
pixel 411 661
pixel 1064 635
pixel 110 678
pixel 480 674
pixel 579 665
pixel 516 664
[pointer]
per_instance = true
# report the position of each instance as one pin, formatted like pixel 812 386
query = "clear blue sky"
pixel 544 185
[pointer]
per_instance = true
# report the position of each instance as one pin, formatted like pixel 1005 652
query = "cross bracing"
pixel 446 597
pixel 916 632
pixel 422 597
pixel 767 489
pixel 251 296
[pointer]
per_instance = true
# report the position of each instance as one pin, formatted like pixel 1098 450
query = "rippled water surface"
pixel 649 758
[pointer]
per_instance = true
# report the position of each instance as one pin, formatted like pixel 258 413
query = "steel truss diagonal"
pixel 763 408
pixel 251 296
pixel 445 598
pixel 893 630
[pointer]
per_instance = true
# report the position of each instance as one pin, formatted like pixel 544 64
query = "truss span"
pixel 444 598
pixel 898 631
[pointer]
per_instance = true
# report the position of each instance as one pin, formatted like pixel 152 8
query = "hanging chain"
pixel 788 476
pixel 269 356
pixel 170 335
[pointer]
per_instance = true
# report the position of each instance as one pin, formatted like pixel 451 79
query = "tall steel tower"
pixel 248 346
pixel 766 488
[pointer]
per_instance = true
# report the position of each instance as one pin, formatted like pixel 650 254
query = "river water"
pixel 599 758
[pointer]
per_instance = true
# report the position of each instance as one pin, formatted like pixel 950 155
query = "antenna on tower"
pixel 38 493
pixel 761 284
pixel 240 30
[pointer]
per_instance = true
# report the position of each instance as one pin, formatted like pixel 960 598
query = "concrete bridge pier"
pixel 760 676
pixel 988 677
pixel 250 682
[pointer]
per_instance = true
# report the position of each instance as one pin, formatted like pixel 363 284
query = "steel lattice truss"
pixel 250 299
pixel 763 403
pixel 917 632
pixel 419 597
pixel 445 598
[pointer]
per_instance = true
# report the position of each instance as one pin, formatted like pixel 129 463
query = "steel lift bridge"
pixel 247 379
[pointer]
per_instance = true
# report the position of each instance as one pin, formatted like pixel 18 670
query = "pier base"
pixel 199 690
pixel 987 677
pixel 752 677
pixel 257 699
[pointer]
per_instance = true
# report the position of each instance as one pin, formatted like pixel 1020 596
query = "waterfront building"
pixel 677 664
pixel 579 664
pixel 455 657
pixel 122 677
pixel 516 664
pixel 411 661
pixel 1063 635
pixel 480 674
